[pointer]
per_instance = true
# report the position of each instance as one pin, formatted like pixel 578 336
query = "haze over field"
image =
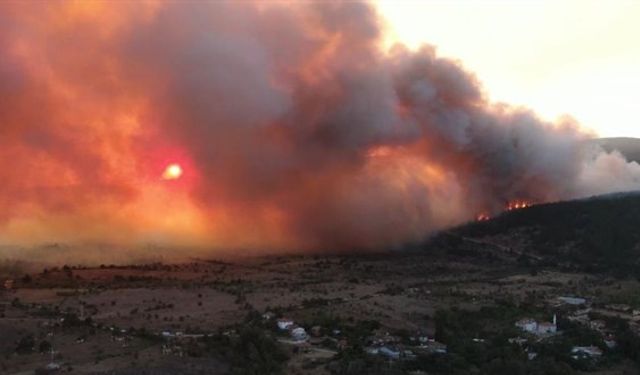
pixel 260 126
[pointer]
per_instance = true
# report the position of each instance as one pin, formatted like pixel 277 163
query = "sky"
pixel 580 58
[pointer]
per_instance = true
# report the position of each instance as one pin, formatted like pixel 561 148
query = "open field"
pixel 116 319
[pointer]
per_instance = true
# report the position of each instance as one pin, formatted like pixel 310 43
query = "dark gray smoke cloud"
pixel 299 129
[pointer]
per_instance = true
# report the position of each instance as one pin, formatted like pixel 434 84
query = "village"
pixel 84 319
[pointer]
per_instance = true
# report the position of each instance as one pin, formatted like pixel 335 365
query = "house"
pixel 372 350
pixel 581 352
pixel 437 347
pixel 299 334
pixel 548 328
pixel 434 347
pixel 389 353
pixel 518 341
pixel 52 366
pixel 285 324
pixel 527 325
pixel 543 328
pixel 610 341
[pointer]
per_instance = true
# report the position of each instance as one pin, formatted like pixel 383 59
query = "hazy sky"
pixel 558 57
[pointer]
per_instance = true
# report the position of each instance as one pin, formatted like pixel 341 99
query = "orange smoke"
pixel 258 126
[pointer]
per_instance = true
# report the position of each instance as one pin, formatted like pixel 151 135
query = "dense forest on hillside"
pixel 597 234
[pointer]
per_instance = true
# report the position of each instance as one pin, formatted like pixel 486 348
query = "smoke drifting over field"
pixel 294 129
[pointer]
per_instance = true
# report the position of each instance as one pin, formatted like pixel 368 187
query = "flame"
pixel 518 205
pixel 483 217
pixel 511 206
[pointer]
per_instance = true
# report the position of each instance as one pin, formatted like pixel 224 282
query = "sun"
pixel 172 172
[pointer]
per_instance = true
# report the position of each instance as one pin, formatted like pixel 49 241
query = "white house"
pixel 299 334
pixel 52 367
pixel 389 353
pixel 610 342
pixel 586 351
pixel 542 328
pixel 546 327
pixel 527 325
pixel 285 324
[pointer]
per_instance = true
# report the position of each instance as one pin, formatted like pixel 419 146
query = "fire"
pixel 172 172
pixel 511 206
pixel 517 205
pixel 483 217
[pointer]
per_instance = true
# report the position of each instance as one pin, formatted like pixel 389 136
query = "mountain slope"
pixel 599 234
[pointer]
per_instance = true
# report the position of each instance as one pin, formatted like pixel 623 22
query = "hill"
pixel 629 147
pixel 598 234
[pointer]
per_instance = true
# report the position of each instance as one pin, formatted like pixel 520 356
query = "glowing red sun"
pixel 172 172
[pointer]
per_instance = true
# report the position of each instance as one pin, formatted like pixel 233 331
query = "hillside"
pixel 629 147
pixel 595 234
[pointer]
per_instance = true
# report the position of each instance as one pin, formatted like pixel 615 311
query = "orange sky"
pixel 577 57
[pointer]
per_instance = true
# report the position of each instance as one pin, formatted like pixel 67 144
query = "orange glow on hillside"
pixel 517 205
pixel 483 217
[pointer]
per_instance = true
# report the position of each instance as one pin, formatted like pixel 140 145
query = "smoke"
pixel 294 127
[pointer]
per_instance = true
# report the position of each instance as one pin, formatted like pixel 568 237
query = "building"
pixel 542 328
pixel 389 353
pixel 582 352
pixel 527 325
pixel 610 341
pixel 372 350
pixel 437 347
pixel 432 347
pixel 546 328
pixel 285 324
pixel 518 341
pixel 299 334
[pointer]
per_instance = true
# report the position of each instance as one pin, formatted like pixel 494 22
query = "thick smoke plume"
pixel 294 127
